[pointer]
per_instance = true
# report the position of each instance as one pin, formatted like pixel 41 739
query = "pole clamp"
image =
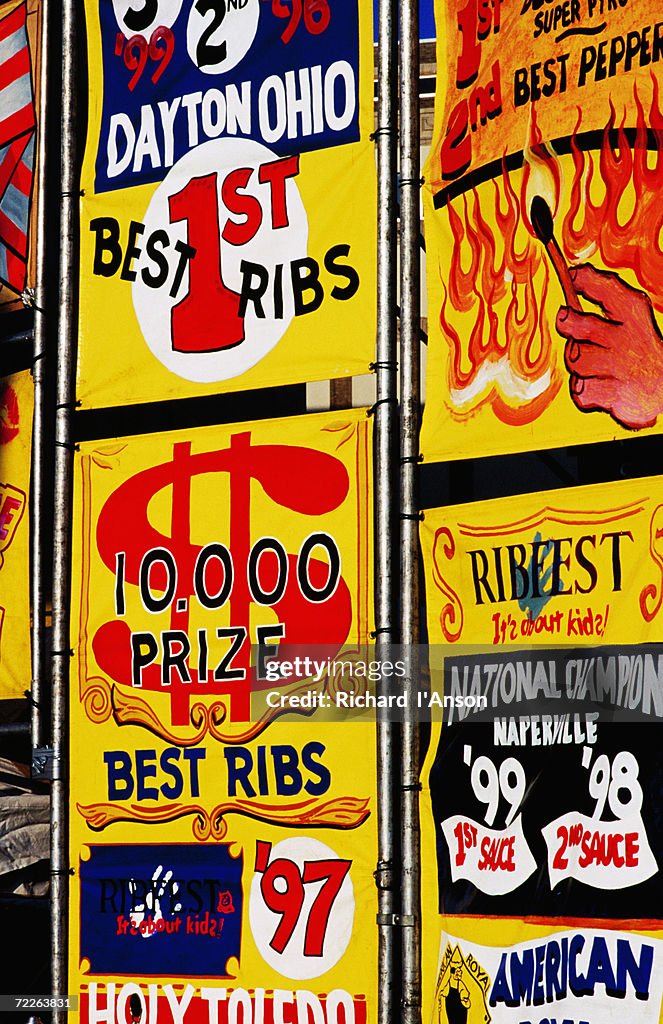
pixel 396 920
pixel 381 401
pixel 383 876
pixel 46 763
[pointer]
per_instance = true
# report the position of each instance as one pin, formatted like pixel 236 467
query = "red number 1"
pixel 469 57
pixel 207 319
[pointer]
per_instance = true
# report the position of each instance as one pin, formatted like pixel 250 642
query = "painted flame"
pixel 616 207
pixel 542 174
pixel 500 281
pixel 497 309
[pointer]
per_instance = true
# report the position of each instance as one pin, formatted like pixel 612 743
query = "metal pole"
pixel 65 389
pixel 386 524
pixel 410 405
pixel 39 545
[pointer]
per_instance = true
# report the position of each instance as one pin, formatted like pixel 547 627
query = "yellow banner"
pixel 16 403
pixel 541 837
pixel 228 198
pixel 543 190
pixel 223 855
pixel 583 565
pixel 520 973
pixel 20 56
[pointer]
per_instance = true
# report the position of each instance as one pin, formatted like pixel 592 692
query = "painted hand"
pixel 150 905
pixel 615 360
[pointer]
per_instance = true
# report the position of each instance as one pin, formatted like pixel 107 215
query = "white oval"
pixel 292 963
pixel 226 28
pixel 268 247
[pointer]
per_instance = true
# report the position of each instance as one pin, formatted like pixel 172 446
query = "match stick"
pixel 542 223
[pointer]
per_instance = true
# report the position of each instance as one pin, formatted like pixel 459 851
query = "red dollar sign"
pixel 304 480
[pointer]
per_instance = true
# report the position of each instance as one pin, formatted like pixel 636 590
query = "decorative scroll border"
pixel 345 812
pixel 444 550
pixel 95 691
pixel 548 513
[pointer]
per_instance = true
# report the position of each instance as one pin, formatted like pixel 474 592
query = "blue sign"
pixel 426 21
pixel 160 910
pixel 285 75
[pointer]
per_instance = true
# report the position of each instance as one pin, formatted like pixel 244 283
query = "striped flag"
pixel 17 145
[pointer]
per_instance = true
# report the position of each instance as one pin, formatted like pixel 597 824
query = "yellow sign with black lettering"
pixel 582 565
pixel 222 842
pixel 541 837
pixel 228 198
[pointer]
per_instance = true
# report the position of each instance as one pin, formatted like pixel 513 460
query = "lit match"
pixel 542 222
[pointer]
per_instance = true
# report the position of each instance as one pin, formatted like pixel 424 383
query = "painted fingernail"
pixel 562 315
pixel 577 384
pixel 572 273
pixel 573 351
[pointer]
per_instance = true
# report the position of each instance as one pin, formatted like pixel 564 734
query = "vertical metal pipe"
pixel 386 524
pixel 65 390
pixel 410 407
pixel 39 546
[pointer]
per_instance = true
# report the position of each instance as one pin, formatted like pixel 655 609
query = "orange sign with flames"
pixel 544 209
